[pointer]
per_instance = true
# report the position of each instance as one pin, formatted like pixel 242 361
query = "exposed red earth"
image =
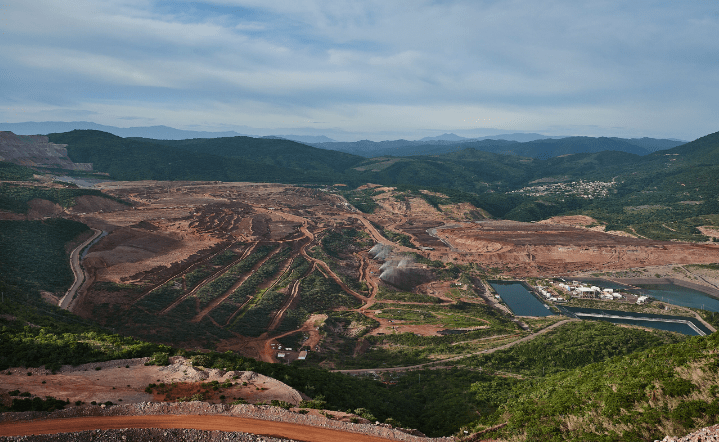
pixel 202 422
pixel 172 229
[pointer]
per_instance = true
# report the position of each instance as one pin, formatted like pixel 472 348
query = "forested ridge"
pixel 662 195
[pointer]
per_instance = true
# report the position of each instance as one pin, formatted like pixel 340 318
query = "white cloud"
pixel 372 64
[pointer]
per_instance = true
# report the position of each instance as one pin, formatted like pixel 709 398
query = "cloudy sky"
pixel 366 69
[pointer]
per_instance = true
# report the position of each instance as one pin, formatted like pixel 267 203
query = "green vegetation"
pixel 570 346
pixel 225 281
pixel 35 404
pixel 15 197
pixel 299 268
pixel 224 159
pixel 317 294
pixel 60 338
pixel 631 398
pixel 196 276
pixel 361 199
pixel 340 245
pixel 13 172
pixel 470 325
pixel 33 256
pixel 162 297
pixel 256 314
pixel 385 294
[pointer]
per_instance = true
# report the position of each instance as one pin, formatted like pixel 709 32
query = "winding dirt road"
pixel 197 422
pixel 77 271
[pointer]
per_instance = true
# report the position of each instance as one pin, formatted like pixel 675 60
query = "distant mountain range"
pixel 155 132
pixel 521 137
pixel 540 147
pixel 522 144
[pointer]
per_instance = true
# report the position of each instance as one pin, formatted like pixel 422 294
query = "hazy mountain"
pixel 546 147
pixel 653 144
pixel 521 137
pixel 306 139
pixel 444 137
pixel 155 132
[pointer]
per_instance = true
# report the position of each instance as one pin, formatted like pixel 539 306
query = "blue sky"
pixel 366 69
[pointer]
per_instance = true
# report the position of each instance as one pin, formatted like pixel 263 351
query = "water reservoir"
pixel 519 299
pixel 669 293
pixel 660 322
pixel 676 294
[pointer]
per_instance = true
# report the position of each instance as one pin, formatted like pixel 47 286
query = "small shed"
pixel 303 355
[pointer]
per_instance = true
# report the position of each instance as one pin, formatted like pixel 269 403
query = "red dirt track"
pixel 197 422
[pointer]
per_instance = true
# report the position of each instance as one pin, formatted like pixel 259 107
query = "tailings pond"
pixel 519 299
pixel 677 324
pixel 676 294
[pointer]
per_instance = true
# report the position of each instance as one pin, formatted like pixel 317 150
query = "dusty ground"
pixel 125 381
pixel 171 229
pixel 261 420
pixel 535 249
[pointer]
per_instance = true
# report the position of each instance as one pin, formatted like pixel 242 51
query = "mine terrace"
pixel 270 270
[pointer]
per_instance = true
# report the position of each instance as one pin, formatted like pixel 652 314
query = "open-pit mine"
pixel 281 273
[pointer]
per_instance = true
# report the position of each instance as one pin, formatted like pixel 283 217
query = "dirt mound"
pixel 710 231
pixel 573 220
pixel 36 150
pixel 40 209
pixel 93 203
pixel 125 381
pixel 130 245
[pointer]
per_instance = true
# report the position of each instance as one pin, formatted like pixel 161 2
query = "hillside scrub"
pixel 33 255
pixel 671 389
pixel 34 339
pixel 14 172
pixel 570 346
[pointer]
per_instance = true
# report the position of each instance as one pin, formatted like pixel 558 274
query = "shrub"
pixel 159 358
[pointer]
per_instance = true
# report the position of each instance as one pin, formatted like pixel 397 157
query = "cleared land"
pixel 258 268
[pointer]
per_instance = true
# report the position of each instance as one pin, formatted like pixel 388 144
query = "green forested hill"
pixel 663 195
pixel 131 159
pixel 277 152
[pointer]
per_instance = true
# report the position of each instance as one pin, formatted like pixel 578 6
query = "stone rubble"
pixel 708 434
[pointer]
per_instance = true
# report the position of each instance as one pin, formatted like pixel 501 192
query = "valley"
pixel 253 268
pixel 332 286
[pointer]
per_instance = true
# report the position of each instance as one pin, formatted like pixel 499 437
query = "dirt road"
pixel 456 358
pixel 77 271
pixel 198 422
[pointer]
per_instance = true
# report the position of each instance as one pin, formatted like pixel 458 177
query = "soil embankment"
pixel 263 420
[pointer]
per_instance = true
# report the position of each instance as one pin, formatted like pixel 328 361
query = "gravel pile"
pixel 261 412
pixel 146 435
pixel 708 434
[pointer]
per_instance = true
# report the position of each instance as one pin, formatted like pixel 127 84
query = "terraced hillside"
pixel 259 268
